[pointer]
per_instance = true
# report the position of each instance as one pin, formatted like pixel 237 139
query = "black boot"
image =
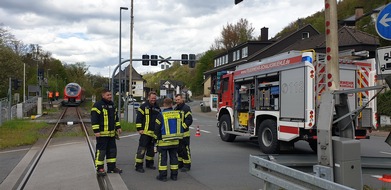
pixel 139 167
pixel 180 164
pixel 149 164
pixel 162 176
pixel 174 177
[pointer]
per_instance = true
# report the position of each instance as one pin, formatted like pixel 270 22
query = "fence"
pixel 7 113
pixel 277 176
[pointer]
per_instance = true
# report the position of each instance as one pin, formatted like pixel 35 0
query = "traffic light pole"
pixel 9 98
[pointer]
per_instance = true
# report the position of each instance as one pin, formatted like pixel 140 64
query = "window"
pixel 215 62
pixel 244 52
pixel 305 35
pixel 237 54
pixel 226 58
pixel 233 56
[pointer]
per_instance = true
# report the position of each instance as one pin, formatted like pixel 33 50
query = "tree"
pixel 234 34
pixel 204 64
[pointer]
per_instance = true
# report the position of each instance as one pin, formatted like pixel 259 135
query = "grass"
pixel 128 127
pixel 20 132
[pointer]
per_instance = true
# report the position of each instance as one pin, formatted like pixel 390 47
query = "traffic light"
pixel 16 84
pixel 41 73
pixel 154 62
pixel 123 86
pixel 185 58
pixel 145 61
pixel 192 60
pixel 238 1
pixel 115 86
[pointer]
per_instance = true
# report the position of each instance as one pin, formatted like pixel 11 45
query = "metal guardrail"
pixel 277 176
pixel 4 108
pixel 29 104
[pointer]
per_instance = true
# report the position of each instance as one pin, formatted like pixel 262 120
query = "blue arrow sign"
pixel 383 23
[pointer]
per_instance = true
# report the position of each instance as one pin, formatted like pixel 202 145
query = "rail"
pixel 36 160
pixel 103 181
pixel 277 176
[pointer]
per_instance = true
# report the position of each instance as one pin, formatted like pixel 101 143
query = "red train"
pixel 73 95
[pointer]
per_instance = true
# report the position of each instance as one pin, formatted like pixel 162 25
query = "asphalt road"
pixel 215 164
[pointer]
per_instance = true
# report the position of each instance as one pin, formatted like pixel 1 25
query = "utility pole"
pixel 131 51
pixel 332 60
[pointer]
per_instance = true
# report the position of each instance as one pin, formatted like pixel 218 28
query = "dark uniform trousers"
pixel 164 152
pixel 105 147
pixel 184 155
pixel 145 148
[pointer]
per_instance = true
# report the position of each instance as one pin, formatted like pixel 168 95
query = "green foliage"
pixel 383 103
pixel 234 34
pixel 345 9
pixel 128 127
pixel 19 132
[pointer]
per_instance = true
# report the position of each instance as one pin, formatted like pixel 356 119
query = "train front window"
pixel 72 90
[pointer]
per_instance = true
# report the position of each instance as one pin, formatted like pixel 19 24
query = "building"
pixel 138 83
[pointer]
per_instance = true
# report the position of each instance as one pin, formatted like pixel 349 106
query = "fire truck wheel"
pixel 225 125
pixel 267 137
pixel 314 145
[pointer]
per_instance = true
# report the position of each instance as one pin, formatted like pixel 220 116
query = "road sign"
pixel 383 58
pixel 383 22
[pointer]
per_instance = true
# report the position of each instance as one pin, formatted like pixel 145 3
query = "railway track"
pixel 70 120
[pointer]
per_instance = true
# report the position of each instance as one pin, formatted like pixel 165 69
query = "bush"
pixel 384 103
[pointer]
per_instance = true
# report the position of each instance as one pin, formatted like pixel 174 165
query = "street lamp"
pixel 119 59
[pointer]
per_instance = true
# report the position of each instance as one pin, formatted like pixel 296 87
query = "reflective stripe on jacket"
pixel 169 128
pixel 104 118
pixel 146 116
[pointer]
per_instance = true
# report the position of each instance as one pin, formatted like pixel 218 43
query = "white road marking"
pixel 205 131
pixel 385 152
pixel 68 143
pixel 131 135
pixel 376 176
pixel 10 151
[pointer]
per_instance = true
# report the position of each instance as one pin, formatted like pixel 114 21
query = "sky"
pixel 88 30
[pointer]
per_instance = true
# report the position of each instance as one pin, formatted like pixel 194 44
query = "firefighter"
pixel 168 131
pixel 145 124
pixel 184 155
pixel 105 124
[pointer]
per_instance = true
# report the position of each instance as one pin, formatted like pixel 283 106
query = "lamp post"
pixel 119 60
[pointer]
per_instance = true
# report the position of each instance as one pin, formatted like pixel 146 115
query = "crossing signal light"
pixel 192 60
pixel 185 59
pixel 154 62
pixel 116 86
pixel 16 84
pixel 238 1
pixel 145 61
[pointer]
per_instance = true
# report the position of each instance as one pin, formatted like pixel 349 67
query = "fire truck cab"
pixel 275 100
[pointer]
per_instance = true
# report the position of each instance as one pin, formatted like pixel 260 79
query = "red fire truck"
pixel 276 99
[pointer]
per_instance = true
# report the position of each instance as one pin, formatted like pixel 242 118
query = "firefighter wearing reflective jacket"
pixel 105 124
pixel 184 156
pixel 145 124
pixel 168 131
